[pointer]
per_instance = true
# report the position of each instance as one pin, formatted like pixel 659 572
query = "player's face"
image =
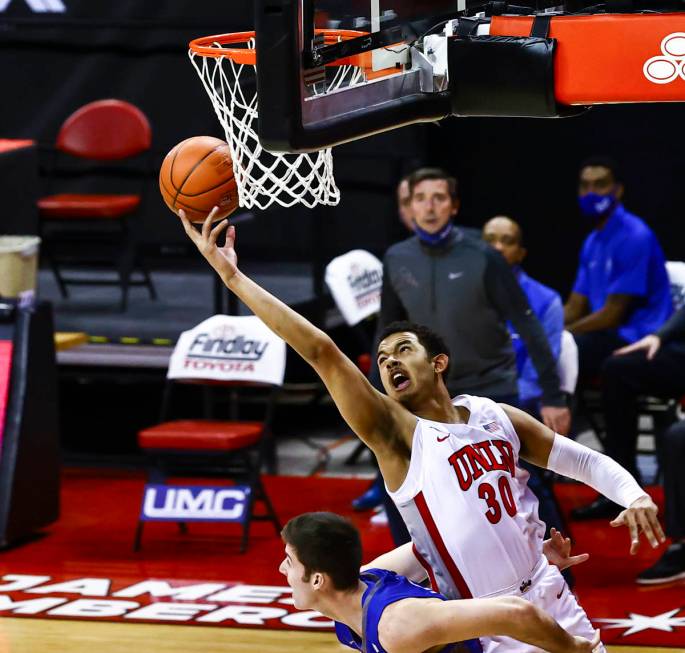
pixel 504 235
pixel 432 205
pixel 404 205
pixel 294 572
pixel 406 371
pixel 596 179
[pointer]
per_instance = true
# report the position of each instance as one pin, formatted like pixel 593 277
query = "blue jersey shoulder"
pixel 382 588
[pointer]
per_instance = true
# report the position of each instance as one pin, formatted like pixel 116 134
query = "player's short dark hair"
pixel 603 162
pixel 431 341
pixel 434 173
pixel 327 543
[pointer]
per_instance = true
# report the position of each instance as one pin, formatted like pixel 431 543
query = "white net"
pixel 264 177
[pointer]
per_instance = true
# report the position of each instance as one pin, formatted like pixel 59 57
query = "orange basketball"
pixel 196 176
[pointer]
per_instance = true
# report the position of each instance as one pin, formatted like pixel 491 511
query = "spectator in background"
pixel 506 236
pixel 404 204
pixel 654 365
pixel 463 290
pixel 621 291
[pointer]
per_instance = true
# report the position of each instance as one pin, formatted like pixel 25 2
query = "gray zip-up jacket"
pixel 465 292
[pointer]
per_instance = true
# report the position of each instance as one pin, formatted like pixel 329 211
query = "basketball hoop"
pixel 226 65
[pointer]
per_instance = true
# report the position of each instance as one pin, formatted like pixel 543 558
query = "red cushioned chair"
pixel 84 229
pixel 227 445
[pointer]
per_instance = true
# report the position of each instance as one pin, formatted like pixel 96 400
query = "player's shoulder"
pixel 487 414
pixel 403 626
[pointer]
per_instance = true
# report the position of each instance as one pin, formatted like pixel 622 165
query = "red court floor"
pixel 200 578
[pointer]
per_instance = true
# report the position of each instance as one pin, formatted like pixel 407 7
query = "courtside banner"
pixel 355 281
pixel 229 348
pixel 194 503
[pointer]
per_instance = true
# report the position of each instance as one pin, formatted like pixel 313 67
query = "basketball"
pixel 196 176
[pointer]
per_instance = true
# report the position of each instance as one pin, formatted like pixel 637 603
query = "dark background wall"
pixel 136 50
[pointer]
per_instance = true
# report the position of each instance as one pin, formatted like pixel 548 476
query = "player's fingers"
pixel 214 234
pixel 647 528
pixel 230 236
pixel 597 639
pixel 620 520
pixel 656 525
pixel 187 225
pixel 579 559
pixel 634 532
pixel 209 221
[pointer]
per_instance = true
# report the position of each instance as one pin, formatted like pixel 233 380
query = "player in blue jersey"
pixel 376 610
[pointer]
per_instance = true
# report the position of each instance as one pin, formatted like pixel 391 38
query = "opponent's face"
pixel 599 180
pixel 505 236
pixel 295 573
pixel 432 205
pixel 404 205
pixel 406 371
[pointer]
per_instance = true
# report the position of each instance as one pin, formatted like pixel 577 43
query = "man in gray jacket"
pixel 450 280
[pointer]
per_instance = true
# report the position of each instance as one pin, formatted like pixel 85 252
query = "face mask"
pixel 595 206
pixel 436 239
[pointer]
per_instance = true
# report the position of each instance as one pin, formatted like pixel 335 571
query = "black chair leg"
pixel 139 536
pixel 125 267
pixel 359 450
pixel 246 524
pixel 271 513
pixel 145 271
pixel 49 256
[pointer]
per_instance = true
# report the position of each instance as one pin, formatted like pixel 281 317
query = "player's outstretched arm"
pixel 415 625
pixel 370 414
pixel 544 448
pixel 400 560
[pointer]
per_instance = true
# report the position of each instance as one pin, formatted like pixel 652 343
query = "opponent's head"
pixel 599 187
pixel 323 553
pixel 404 204
pixel 505 235
pixel 412 359
pixel 434 199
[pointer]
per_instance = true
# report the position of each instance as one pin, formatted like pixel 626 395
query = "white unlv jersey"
pixel 472 518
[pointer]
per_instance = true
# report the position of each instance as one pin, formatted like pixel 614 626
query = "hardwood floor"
pixel 54 636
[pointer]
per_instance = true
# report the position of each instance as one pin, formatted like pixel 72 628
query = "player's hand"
pixel 557 550
pixel 641 517
pixel 649 344
pixel 583 645
pixel 557 418
pixel 223 259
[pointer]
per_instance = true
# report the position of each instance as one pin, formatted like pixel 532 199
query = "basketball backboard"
pixel 386 87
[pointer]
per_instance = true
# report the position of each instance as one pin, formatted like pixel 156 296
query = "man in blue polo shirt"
pixel 506 236
pixel 622 291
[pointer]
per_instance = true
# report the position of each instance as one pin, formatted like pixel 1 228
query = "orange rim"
pixel 220 46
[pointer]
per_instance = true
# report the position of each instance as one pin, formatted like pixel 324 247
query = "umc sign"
pixel 194 503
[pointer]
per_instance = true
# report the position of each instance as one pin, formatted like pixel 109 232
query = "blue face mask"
pixel 436 239
pixel 596 207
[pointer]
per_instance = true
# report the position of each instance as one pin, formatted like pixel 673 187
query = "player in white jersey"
pixel 450 467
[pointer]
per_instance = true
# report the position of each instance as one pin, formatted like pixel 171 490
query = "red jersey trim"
pixel 429 570
pixel 447 560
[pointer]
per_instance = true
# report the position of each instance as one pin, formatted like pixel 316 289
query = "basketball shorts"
pixel 547 589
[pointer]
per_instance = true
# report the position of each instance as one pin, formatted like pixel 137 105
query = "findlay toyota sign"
pixel 229 348
pixel 219 604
